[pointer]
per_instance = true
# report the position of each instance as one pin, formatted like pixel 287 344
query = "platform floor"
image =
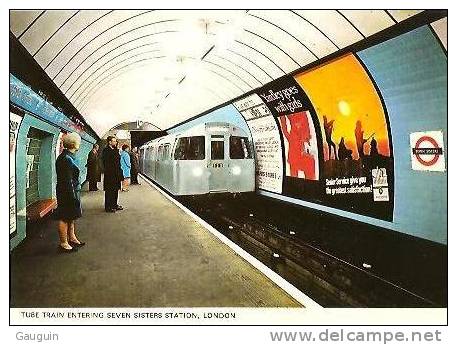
pixel 151 254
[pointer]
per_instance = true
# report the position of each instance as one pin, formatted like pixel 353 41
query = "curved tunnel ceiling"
pixel 165 66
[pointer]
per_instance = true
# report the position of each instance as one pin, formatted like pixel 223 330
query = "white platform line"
pixel 299 296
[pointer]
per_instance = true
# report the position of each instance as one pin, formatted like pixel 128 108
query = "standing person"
pixel 125 166
pixel 112 175
pixel 135 160
pixel 68 190
pixel 93 170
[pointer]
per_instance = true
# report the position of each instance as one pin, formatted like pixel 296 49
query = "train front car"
pixel 209 158
pixel 213 158
pixel 230 162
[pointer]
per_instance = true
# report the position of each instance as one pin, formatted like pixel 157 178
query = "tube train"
pixel 214 157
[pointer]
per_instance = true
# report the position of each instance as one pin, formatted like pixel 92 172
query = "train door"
pixel 217 165
pixel 159 164
pixel 153 168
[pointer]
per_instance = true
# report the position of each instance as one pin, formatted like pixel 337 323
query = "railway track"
pixel 329 279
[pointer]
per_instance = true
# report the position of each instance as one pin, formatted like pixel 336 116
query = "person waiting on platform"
pixel 93 170
pixel 112 175
pixel 125 166
pixel 135 162
pixel 68 192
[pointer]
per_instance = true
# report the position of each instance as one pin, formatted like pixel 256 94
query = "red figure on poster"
pixel 299 158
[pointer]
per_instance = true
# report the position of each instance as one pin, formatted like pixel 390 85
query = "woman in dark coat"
pixel 68 190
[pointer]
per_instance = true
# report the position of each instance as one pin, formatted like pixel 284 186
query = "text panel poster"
pixel 297 121
pixel 267 143
pixel 15 122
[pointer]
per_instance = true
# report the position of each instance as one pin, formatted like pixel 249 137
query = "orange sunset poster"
pixel 357 168
pixel 350 112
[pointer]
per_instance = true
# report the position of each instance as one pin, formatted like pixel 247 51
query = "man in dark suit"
pixel 113 175
pixel 93 171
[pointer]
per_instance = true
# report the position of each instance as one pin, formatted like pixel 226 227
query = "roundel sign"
pixel 427 151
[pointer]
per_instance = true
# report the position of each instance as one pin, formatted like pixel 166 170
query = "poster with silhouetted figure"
pixel 357 169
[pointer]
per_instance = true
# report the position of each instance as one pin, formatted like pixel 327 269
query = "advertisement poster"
pixel 297 122
pixel 15 122
pixel 267 143
pixel 357 165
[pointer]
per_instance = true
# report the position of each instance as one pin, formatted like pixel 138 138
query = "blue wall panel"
pixel 411 73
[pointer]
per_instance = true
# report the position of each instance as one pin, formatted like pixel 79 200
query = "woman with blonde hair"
pixel 68 192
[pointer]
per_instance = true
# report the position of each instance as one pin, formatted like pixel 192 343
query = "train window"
pixel 190 148
pixel 239 148
pixel 160 153
pixel 151 153
pixel 217 150
pixel 154 153
pixel 166 152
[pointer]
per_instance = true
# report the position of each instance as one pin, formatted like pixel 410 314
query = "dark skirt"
pixel 68 208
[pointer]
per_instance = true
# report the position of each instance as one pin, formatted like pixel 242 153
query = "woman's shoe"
pixel 74 244
pixel 65 250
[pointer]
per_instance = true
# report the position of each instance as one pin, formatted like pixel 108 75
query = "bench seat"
pixel 40 208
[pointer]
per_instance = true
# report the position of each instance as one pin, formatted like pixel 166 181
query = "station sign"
pixel 427 151
pixel 23 96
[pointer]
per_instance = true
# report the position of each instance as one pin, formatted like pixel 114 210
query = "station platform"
pixel 151 254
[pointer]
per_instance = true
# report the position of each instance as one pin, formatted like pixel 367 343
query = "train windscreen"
pixel 239 148
pixel 190 148
pixel 217 150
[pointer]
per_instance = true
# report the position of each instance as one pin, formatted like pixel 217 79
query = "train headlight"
pixel 236 170
pixel 197 172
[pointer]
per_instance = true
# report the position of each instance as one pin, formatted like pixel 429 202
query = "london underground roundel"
pixel 427 151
